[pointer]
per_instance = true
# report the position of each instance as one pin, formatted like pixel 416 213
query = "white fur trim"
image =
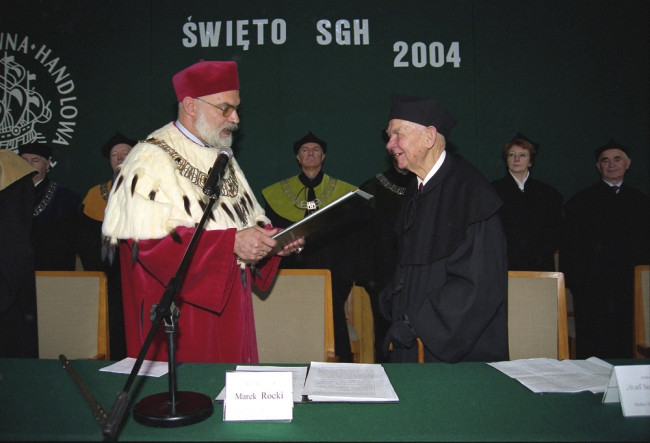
pixel 135 216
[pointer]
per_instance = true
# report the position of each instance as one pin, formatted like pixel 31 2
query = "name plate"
pixel 630 385
pixel 258 396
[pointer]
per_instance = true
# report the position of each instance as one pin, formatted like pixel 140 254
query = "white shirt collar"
pixel 520 183
pixel 188 134
pixel 612 184
pixel 433 170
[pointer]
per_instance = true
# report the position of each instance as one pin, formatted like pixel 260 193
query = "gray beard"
pixel 211 135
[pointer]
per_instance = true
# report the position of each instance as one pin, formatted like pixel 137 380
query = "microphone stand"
pixel 173 408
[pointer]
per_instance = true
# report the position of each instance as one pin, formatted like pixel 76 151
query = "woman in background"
pixel 531 211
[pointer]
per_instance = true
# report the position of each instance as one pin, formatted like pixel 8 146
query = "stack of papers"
pixel 334 382
pixel 348 382
pixel 549 375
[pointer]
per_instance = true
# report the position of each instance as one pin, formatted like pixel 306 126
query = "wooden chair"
pixel 360 325
pixel 72 309
pixel 293 318
pixel 537 316
pixel 642 311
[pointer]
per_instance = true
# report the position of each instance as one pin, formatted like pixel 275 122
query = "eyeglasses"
pixel 225 108
pixel 518 155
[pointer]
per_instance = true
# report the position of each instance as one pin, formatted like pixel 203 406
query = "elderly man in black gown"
pixel 450 286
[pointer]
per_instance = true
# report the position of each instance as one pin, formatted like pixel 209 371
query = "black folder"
pixel 319 222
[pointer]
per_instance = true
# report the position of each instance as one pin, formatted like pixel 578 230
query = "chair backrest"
pixel 642 311
pixel 293 318
pixel 358 312
pixel 537 316
pixel 72 309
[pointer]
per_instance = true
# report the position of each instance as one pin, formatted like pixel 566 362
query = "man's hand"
pixel 295 246
pixel 254 243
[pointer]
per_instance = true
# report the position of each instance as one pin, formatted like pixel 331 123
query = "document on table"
pixel 348 382
pixel 549 375
pixel 149 368
pixel 298 374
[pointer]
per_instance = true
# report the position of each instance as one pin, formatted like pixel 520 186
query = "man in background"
pixel 292 199
pixel 607 234
pixel 115 151
pixel 56 214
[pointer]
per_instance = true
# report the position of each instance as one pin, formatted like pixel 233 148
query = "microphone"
pixel 215 174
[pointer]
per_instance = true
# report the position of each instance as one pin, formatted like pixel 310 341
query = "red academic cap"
pixel 206 78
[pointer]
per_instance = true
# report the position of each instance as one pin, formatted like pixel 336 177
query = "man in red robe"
pixel 156 203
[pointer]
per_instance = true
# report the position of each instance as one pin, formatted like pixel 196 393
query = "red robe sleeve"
pixel 213 269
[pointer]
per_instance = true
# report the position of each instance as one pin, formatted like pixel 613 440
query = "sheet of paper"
pixel 549 375
pixel 299 373
pixel 149 368
pixel 258 396
pixel 348 382
pixel 630 385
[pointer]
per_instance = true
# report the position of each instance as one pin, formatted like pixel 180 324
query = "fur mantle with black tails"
pixel 159 189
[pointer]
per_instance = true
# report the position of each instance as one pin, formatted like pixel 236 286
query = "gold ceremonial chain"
pixel 400 190
pixel 311 204
pixel 46 199
pixel 229 186
pixel 104 191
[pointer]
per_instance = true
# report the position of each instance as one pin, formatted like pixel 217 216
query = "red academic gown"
pixel 216 311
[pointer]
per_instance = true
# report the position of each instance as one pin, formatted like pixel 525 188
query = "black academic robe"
pixel 55 229
pixel 607 234
pixel 18 322
pixel 333 250
pixel 378 242
pixel 532 220
pixel 450 287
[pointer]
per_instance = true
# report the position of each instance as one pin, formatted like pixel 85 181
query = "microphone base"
pixel 156 410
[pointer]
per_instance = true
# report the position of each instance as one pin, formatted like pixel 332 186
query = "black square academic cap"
pixel 41 149
pixel 309 138
pixel 425 111
pixel 612 144
pixel 116 139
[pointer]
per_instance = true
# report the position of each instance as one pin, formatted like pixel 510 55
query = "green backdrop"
pixel 569 74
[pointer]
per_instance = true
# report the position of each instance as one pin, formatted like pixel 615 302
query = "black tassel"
pixel 240 213
pixel 108 251
pixel 186 204
pixel 133 183
pixel 225 208
pixel 248 197
pixel 120 179
pixel 177 238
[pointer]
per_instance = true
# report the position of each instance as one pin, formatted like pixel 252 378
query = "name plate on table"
pixel 258 396
pixel 630 385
